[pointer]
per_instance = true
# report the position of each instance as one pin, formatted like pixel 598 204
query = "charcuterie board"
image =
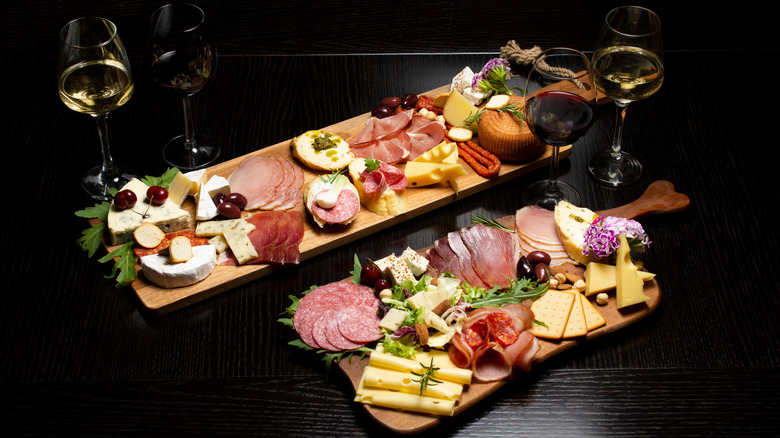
pixel 660 197
pixel 318 240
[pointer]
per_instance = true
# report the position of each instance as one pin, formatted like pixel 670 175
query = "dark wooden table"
pixel 79 357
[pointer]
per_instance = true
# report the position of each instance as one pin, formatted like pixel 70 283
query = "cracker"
pixel 593 317
pixel 576 325
pixel 553 309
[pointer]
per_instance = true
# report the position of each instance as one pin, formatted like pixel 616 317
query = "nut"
pixel 422 333
pixel 553 283
pixel 561 277
pixel 602 299
pixel 385 293
pixel 579 284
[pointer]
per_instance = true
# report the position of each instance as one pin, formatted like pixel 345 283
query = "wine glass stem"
pixel 108 170
pixel 189 132
pixel 617 138
pixel 552 182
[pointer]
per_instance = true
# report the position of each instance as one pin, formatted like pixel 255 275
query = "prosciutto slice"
pixel 276 238
pixel 536 230
pixel 268 183
pixel 398 138
pixel 481 255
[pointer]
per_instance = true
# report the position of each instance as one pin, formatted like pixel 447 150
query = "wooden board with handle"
pixel 318 240
pixel 660 197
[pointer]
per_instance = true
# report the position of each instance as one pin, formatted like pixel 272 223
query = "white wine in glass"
pixel 627 67
pixel 95 79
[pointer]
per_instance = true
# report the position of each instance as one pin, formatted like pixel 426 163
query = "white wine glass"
pixel 95 79
pixel 558 105
pixel 627 67
pixel 184 60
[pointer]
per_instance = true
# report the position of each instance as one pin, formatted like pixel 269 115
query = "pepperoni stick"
pixel 482 161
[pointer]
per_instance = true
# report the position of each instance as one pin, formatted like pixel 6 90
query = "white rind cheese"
pixel 169 217
pixel 206 208
pixel 160 270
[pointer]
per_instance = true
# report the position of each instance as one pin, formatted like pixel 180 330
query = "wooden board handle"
pixel 660 197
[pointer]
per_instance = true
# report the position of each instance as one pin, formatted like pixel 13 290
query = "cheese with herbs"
pixel 169 217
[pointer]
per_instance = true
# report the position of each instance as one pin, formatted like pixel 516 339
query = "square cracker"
pixel 553 309
pixel 576 325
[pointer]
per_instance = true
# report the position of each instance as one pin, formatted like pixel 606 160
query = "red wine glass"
pixel 184 60
pixel 559 106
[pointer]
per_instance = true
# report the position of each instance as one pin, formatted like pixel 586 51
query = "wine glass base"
pixel 541 194
pixel 98 184
pixel 611 172
pixel 188 157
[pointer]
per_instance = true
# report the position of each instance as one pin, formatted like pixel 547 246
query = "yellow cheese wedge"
pixel 600 277
pixel 457 109
pixel 424 174
pixel 438 153
pixel 629 285
pixel 179 189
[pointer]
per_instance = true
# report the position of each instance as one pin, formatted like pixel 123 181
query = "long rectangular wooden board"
pixel 318 240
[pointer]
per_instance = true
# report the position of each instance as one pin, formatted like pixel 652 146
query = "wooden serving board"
pixel 318 240
pixel 659 197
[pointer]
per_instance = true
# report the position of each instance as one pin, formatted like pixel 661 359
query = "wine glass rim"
pixel 571 52
pixel 197 8
pixel 656 19
pixel 67 26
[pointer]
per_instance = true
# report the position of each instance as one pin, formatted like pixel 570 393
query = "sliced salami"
pixel 359 324
pixel 347 206
pixel 320 331
pixel 332 332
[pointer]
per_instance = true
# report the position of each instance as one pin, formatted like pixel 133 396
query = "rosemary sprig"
pixel 477 219
pixel 427 377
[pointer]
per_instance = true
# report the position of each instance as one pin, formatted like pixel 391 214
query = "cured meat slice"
pixel 503 328
pixel 527 354
pixel 359 324
pixel 464 260
pixel 347 206
pixel 460 353
pixel 398 138
pixel 292 253
pixel 491 363
pixel 424 134
pixel 518 350
pixel 376 128
pixel 494 253
pixel 537 224
pixel 267 182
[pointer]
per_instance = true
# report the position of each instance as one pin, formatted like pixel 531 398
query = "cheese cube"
pixel 414 261
pixel 417 301
pixel 393 319
pixel 394 269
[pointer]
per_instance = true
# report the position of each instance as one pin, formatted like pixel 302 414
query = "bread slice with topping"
pixel 321 150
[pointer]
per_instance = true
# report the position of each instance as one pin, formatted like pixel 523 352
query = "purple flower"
pixel 493 76
pixel 602 236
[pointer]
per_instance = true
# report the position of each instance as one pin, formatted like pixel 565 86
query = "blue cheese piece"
pixel 169 217
pixel 395 269
pixel 160 270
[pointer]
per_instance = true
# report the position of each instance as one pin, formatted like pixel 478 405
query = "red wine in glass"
pixel 184 71
pixel 558 118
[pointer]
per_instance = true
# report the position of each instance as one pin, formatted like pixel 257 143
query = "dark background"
pixel 80 358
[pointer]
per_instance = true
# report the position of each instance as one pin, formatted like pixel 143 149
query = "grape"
pixel 381 112
pixel 125 199
pixel 409 101
pixel 238 199
pixel 157 195
pixel 229 210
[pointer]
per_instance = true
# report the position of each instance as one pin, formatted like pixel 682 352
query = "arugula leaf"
pixel 518 291
pixel 92 237
pixel 124 268
pixel 98 211
pixel 357 267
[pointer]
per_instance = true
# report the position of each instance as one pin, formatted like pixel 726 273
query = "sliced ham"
pixel 491 363
pixel 536 231
pixel 268 183
pixel 398 138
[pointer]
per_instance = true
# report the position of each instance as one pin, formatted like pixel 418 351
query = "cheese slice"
pixel 239 242
pixel 447 370
pixel 383 378
pixel 438 153
pixel 600 277
pixel 405 402
pixel 217 227
pixel 421 174
pixel 629 285
pixel 160 270
pixel 457 109
pixel 179 189
pixel 169 217
pixel 571 223
pixel 198 178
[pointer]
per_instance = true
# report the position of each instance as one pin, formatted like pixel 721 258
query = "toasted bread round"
pixel 321 150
